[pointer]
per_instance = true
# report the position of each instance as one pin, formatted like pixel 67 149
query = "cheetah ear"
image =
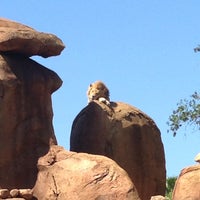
pixel 90 84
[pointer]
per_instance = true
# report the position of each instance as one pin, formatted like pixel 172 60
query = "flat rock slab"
pixel 17 38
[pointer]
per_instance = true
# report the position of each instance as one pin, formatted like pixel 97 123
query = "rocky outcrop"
pixel 128 136
pixel 188 184
pixel 79 176
pixel 16 38
pixel 122 133
pixel 25 118
pixel 25 102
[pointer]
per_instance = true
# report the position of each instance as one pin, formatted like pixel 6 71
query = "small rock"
pixel 26 193
pixel 15 199
pixel 4 193
pixel 14 193
pixel 158 197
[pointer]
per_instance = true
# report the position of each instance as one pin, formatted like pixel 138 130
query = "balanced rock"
pixel 126 135
pixel 79 176
pixel 188 184
pixel 26 130
pixel 16 38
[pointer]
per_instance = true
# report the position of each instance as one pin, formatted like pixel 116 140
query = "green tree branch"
pixel 187 113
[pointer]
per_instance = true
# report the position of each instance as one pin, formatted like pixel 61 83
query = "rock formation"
pixel 27 138
pixel 79 176
pixel 25 118
pixel 16 38
pixel 26 130
pixel 188 184
pixel 126 135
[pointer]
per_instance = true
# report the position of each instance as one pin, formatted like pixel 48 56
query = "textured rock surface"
pixel 17 38
pixel 188 184
pixel 69 175
pixel 25 119
pixel 129 137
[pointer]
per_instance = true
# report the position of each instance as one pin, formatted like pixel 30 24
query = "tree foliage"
pixel 186 113
pixel 170 183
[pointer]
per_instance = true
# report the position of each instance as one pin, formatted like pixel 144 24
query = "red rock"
pixel 25 119
pixel 26 193
pixel 14 193
pixel 126 135
pixel 188 184
pixel 4 193
pixel 17 38
pixel 69 175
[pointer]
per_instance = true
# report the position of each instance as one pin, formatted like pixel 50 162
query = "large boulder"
pixel 188 184
pixel 26 130
pixel 126 135
pixel 16 38
pixel 78 176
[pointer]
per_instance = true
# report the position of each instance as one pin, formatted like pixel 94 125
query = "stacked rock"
pixel 26 130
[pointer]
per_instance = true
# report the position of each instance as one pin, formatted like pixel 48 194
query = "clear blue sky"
pixel 142 50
